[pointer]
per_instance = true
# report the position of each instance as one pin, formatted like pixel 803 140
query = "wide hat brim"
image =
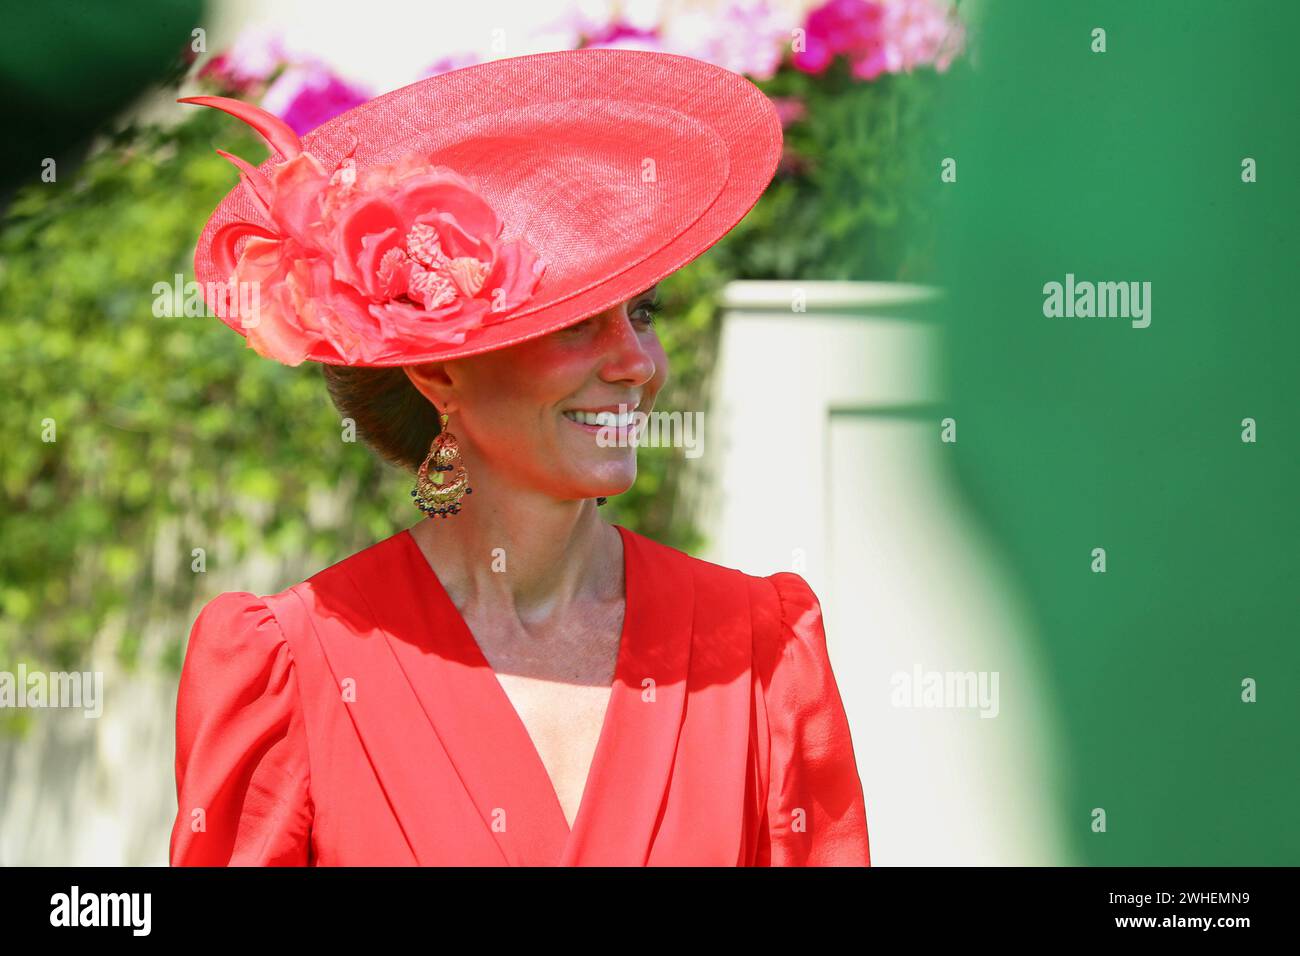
pixel 618 167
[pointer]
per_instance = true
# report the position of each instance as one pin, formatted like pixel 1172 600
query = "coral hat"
pixel 483 207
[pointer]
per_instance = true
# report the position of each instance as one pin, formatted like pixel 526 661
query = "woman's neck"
pixel 535 558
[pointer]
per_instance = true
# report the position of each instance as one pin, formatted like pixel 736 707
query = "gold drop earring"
pixel 440 493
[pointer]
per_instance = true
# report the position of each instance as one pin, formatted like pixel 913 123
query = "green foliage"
pixel 856 186
pixel 169 434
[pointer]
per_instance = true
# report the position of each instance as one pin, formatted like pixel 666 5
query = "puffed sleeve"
pixel 241 747
pixel 815 811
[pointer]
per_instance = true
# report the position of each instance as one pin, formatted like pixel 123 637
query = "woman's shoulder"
pixel 241 748
pixel 362 571
pixel 372 563
pixel 779 597
pixel 235 624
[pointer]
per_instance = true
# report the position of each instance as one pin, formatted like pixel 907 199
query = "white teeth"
pixel 618 420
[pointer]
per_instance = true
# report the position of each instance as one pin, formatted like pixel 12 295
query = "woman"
pixel 516 682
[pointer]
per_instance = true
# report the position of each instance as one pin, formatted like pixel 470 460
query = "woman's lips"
pixel 617 426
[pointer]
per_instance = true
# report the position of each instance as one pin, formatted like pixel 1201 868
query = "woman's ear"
pixel 433 382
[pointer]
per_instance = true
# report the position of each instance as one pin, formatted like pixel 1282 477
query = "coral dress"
pixel 352 720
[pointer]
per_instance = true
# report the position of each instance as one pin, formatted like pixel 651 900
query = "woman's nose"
pixel 627 356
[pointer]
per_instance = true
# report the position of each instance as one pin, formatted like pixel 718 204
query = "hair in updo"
pixel 391 414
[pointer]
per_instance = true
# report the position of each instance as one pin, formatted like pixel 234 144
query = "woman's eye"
pixel 644 312
pixel 649 309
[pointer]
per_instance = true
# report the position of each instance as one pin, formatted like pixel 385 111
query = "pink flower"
pixel 617 31
pixel 789 109
pixel 252 59
pixel 390 257
pixel 851 27
pixel 624 36
pixel 920 33
pixel 307 94
pixel 744 37
pixel 452 61
pixel 586 20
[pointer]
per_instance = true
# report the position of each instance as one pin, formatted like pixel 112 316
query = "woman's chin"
pixel 605 482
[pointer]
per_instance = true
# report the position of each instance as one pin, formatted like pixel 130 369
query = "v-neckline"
pixel 468 646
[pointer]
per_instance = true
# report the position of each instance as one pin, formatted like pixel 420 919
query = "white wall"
pixel 824 457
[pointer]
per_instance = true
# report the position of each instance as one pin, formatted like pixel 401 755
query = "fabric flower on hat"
pixel 367 260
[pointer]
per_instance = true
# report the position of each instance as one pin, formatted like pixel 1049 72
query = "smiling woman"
pixel 396 420
pixel 524 684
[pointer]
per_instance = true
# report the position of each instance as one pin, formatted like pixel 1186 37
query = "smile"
pixel 600 419
pixel 619 427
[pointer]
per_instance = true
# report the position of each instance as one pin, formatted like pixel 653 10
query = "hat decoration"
pixel 407 249
pixel 483 207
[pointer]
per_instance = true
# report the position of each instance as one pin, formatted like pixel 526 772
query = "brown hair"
pixel 391 414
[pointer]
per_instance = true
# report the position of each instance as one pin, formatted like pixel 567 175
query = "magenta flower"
pixel 619 31
pixel 848 27
pixel 307 94
pixel 880 37
pixel 619 35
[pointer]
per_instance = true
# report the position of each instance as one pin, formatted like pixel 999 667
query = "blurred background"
pixel 1055 555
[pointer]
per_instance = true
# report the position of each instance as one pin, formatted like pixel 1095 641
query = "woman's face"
pixel 513 410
